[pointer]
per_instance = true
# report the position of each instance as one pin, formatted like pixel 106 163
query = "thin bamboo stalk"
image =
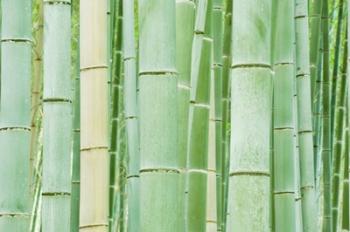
pixel 159 161
pixel 131 115
pixel 57 122
pixel 305 129
pixel 94 114
pixel 338 134
pixel 251 109
pixel 223 164
pixel 326 124
pixel 211 202
pixel 75 198
pixel 36 94
pixel 116 34
pixel 15 122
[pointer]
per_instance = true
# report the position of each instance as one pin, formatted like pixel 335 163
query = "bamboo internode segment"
pixel 15 113
pixel 94 116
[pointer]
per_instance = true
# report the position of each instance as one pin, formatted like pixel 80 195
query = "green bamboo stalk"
pixel 345 209
pixel 197 155
pixel 336 60
pixel 305 130
pixel 326 126
pixel 114 188
pixel 36 94
pixel 338 134
pixel 57 123
pixel 131 115
pixel 197 152
pixel 185 19
pixel 218 30
pixel 284 126
pixel 223 169
pixel 94 117
pixel 75 199
pixel 250 116
pixel 15 122
pixel 159 161
pixel 340 192
pixel 315 59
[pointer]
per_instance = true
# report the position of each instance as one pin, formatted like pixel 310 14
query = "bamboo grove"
pixel 174 116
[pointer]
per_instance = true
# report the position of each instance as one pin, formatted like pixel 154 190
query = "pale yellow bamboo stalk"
pixel 94 115
pixel 211 180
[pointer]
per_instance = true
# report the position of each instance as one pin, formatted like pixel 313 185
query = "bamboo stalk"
pixel 75 198
pixel 159 163
pixel 305 127
pixel 94 114
pixel 57 122
pixel 284 122
pixel 223 164
pixel 185 19
pixel 326 127
pixel 251 109
pixel 15 122
pixel 339 114
pixel 131 115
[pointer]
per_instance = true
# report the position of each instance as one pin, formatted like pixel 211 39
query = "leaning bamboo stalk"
pixel 131 115
pixel 250 131
pixel 159 163
pixel 185 19
pixel 94 115
pixel 15 123
pixel 57 122
pixel 326 126
pixel 305 130
pixel 284 122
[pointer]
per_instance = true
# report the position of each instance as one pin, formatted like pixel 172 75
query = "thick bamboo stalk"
pixel 15 123
pixel 57 121
pixel 159 161
pixel 249 189
pixel 131 115
pixel 94 115
pixel 305 130
pixel 185 19
pixel 345 206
